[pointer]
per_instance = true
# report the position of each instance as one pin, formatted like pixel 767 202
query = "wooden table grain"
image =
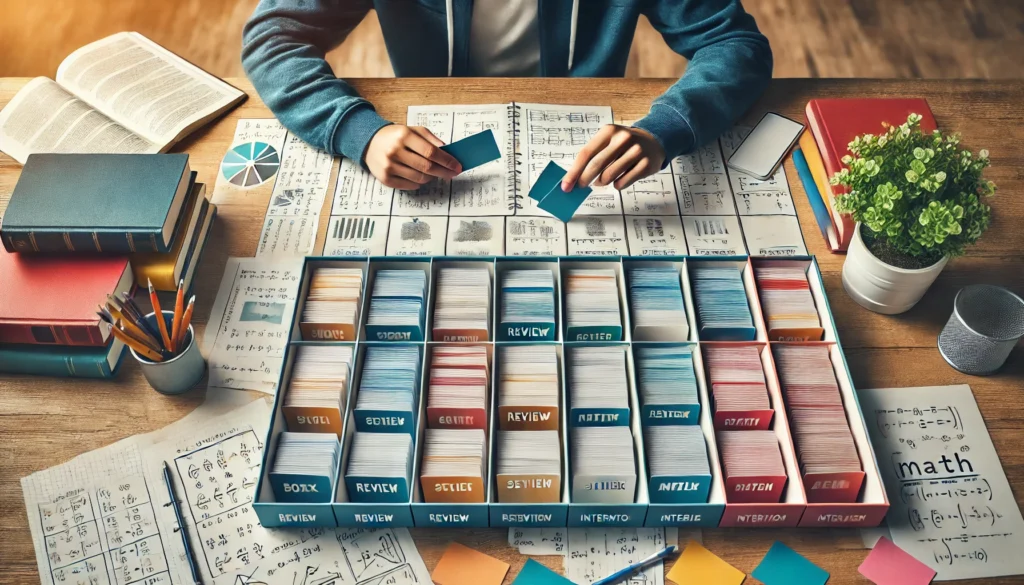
pixel 44 422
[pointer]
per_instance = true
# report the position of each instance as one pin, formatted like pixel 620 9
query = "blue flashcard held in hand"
pixel 548 180
pixel 547 191
pixel 474 150
pixel 784 566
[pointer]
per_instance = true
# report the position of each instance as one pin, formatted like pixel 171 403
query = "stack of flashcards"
pixel 527 305
pixel 331 312
pixel 753 467
pixel 656 300
pixel 317 391
pixel 529 467
pixel 603 465
pixel 397 306
pixel 462 305
pixel 379 468
pixel 305 467
pixel 722 307
pixel 528 388
pixel 598 391
pixel 738 387
pixel 452 470
pixel 386 401
pixel 787 303
pixel 677 463
pixel 821 433
pixel 667 385
pixel 592 305
pixel 458 393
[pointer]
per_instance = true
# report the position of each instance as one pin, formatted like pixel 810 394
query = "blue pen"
pixel 638 566
pixel 181 525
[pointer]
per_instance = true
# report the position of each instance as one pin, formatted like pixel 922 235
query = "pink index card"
pixel 888 564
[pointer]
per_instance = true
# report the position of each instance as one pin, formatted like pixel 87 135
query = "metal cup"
pixel 180 373
pixel 986 323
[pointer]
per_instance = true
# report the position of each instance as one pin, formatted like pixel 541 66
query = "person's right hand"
pixel 405 157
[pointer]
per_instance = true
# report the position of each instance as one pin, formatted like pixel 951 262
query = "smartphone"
pixel 764 149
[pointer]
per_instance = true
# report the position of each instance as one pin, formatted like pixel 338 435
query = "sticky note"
pixel 461 565
pixel 888 564
pixel 534 573
pixel 784 566
pixel 475 150
pixel 699 566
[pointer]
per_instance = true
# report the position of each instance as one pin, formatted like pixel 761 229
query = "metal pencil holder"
pixel 986 323
pixel 180 373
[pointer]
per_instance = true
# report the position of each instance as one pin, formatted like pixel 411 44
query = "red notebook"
pixel 53 300
pixel 836 122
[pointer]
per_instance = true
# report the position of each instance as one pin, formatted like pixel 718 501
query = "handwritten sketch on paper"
pixel 595 553
pixel 534 236
pixel 950 504
pixel 364 235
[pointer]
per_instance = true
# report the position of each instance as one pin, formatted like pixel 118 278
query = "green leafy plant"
pixel 919 196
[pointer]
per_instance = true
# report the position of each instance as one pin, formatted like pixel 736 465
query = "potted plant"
pixel 918 201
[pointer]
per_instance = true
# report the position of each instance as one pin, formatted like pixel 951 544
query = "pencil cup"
pixel 178 374
pixel 986 323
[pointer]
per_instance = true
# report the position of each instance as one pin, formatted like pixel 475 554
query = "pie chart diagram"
pixel 250 164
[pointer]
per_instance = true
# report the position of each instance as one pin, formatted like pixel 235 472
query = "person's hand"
pixel 406 157
pixel 616 155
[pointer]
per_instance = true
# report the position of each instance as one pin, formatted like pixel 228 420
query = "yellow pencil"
pixel 120 325
pixel 186 320
pixel 161 323
pixel 179 309
pixel 135 345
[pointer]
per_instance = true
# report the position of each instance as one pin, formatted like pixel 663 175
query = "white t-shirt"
pixel 504 40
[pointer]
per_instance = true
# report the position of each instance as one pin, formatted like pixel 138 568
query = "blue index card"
pixel 475 150
pixel 784 566
pixel 534 573
pixel 548 194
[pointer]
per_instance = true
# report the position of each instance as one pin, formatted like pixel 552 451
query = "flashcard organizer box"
pixel 800 505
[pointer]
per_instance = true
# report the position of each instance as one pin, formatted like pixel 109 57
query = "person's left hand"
pixel 616 155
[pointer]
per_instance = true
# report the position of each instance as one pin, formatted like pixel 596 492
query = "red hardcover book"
pixel 53 300
pixel 836 122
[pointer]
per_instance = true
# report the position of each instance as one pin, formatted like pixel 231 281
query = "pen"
pixel 637 566
pixel 181 525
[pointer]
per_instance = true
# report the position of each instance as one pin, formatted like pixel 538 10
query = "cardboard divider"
pixel 390 333
pixel 826 331
pixel 524 331
pixel 668 333
pixel 596 334
pixel 474 336
pixel 331 331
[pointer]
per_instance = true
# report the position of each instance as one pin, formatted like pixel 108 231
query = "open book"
pixel 121 94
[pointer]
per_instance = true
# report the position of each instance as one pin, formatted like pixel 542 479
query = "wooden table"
pixel 44 422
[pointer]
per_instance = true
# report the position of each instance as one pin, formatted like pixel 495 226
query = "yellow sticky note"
pixel 699 566
pixel 462 565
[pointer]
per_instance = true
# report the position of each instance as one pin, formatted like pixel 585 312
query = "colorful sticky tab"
pixel 534 573
pixel 784 566
pixel 548 194
pixel 475 150
pixel 888 564
pixel 461 565
pixel 699 566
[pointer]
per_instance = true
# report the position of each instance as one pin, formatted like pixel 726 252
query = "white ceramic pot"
pixel 880 287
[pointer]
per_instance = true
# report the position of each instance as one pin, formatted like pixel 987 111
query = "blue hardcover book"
pixel 120 203
pixel 63 361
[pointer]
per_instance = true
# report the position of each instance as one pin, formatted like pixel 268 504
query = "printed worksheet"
pixel 597 236
pixel 251 164
pixel 364 235
pixel 476 236
pixel 655 235
pixel 950 504
pixel 714 235
pixel 535 236
pixel 773 235
pixel 653 195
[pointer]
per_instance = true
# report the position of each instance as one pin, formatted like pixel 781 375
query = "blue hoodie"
pixel 284 42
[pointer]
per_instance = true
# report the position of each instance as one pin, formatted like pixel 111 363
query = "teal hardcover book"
pixel 119 203
pixel 63 361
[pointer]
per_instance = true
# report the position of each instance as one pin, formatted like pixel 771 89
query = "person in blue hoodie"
pixel 284 42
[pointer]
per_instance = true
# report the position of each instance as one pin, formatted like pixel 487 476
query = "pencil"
pixel 130 324
pixel 161 323
pixel 120 325
pixel 179 309
pixel 135 345
pixel 186 320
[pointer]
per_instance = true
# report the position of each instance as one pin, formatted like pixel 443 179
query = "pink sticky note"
pixel 889 564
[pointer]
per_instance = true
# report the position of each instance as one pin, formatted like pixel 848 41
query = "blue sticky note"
pixel 474 150
pixel 534 573
pixel 784 566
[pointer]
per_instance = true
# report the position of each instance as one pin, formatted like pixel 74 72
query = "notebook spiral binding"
pixel 514 174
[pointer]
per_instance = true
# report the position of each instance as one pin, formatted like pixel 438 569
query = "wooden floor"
pixel 810 38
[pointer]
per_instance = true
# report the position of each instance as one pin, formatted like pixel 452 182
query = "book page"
pixel 146 88
pixel 44 117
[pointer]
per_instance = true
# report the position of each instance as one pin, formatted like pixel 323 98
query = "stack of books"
pixel 81 228
pixel 833 124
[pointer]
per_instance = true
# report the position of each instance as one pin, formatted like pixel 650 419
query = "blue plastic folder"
pixel 784 566
pixel 474 150
pixel 534 573
pixel 548 194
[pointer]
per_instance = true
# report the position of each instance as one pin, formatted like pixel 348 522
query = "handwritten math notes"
pixel 950 504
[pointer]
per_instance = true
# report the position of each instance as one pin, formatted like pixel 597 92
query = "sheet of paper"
pixel 534 573
pixel 358 192
pixel 382 556
pixel 773 235
pixel 714 235
pixel 461 565
pixel 697 565
pixel 534 236
pixel 364 235
pixel 476 236
pixel 293 214
pixel 888 564
pixel 595 553
pixel 653 195
pixel 248 327
pixel 704 195
pixel 538 541
pixel 655 235
pixel 597 236
pixel 784 566
pixel 950 504
pixel 251 164
pixel 417 236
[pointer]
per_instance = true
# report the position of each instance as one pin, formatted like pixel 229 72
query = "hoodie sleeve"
pixel 730 66
pixel 283 48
